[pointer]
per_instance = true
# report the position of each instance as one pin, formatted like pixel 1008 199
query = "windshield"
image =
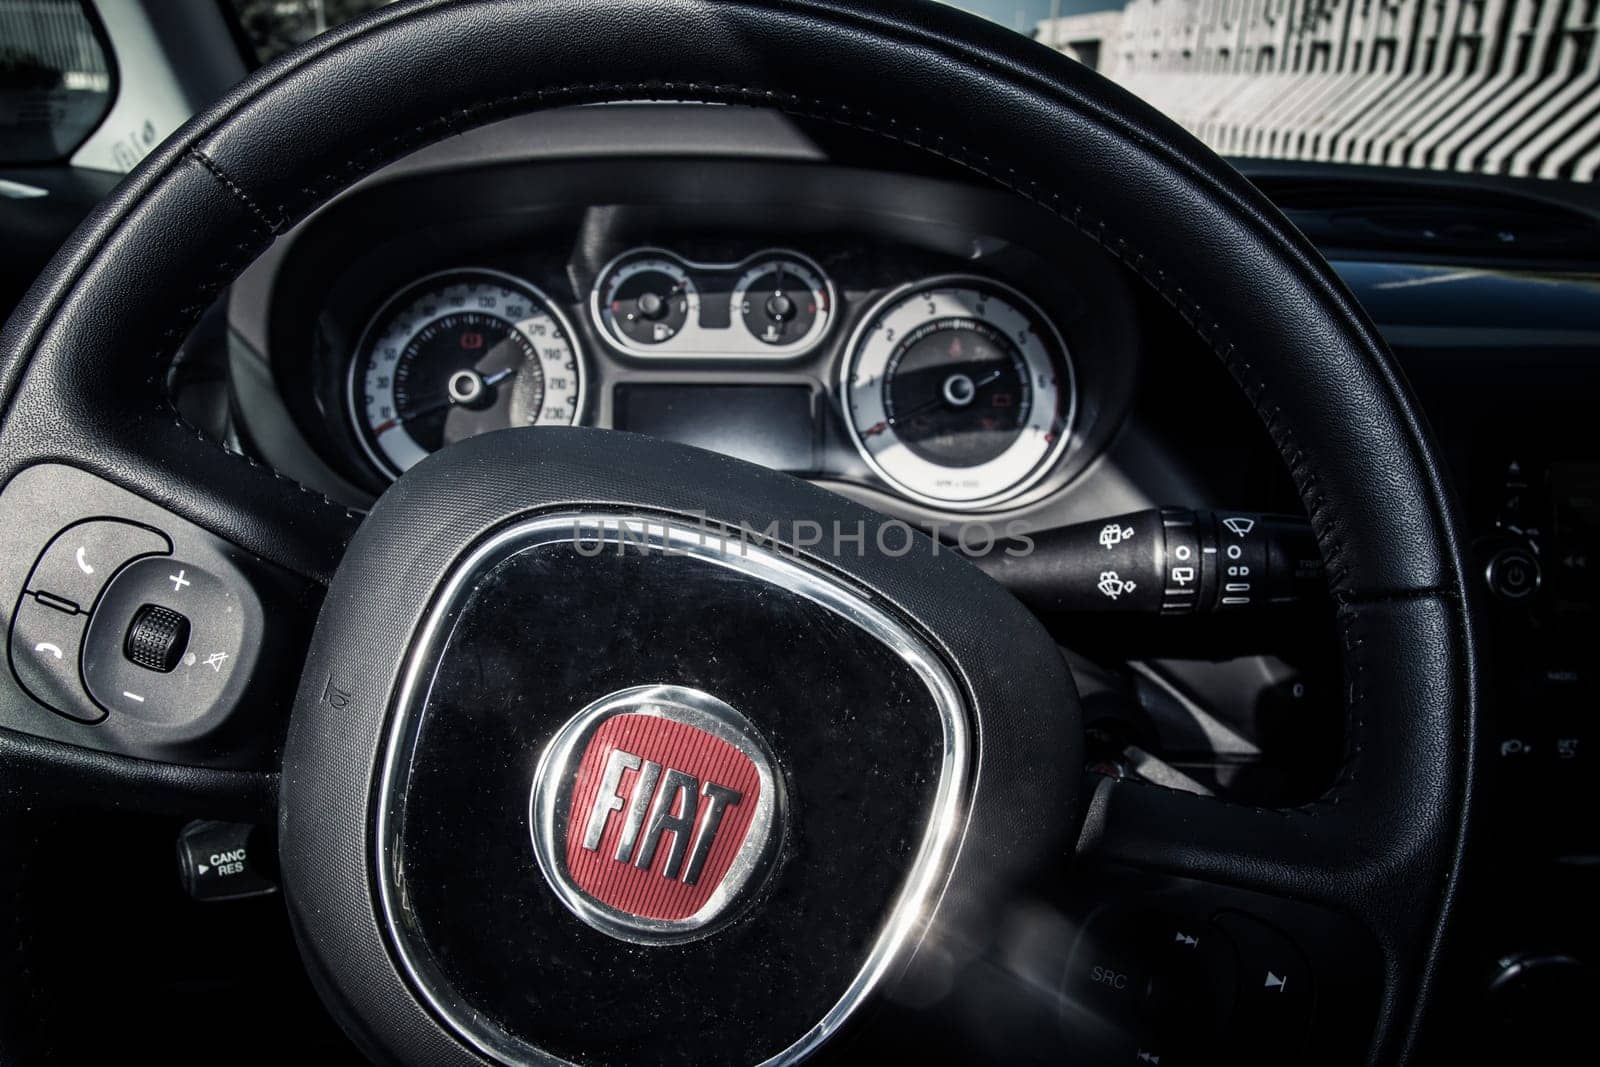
pixel 1505 87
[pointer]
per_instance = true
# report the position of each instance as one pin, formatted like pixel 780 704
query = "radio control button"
pixel 157 638
pixel 195 670
pixel 1275 989
pixel 1513 574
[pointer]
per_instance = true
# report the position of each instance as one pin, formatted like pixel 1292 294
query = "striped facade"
pixel 1493 86
pixel 52 38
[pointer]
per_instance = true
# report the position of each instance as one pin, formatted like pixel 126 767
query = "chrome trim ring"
pixel 1016 485
pixel 358 357
pixel 547 811
pixel 930 867
pixel 693 342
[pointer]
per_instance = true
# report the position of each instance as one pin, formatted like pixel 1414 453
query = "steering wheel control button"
pixel 656 813
pixel 1513 574
pixel 44 649
pixel 170 643
pixel 1192 989
pixel 1161 983
pixel 81 559
pixel 157 638
pixel 84 541
pixel 1276 991
pixel 225 860
pixel 1107 976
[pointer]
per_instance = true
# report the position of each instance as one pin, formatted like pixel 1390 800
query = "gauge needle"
pixel 929 405
pixel 438 405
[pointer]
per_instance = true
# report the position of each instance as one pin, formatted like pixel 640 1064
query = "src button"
pixel 157 638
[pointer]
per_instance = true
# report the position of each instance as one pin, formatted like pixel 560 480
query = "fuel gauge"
pixel 645 299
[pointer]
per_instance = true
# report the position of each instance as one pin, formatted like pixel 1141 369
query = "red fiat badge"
pixel 654 812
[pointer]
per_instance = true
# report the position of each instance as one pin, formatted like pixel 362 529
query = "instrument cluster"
pixel 945 382
pixel 955 390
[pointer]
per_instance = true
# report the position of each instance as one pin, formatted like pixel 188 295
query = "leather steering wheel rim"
pixel 1384 845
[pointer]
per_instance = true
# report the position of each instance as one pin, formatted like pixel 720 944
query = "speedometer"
pixel 958 392
pixel 458 354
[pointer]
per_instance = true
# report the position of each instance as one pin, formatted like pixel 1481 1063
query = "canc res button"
pixel 654 812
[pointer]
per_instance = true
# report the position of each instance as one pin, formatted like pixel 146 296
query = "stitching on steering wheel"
pixel 238 192
pixel 183 321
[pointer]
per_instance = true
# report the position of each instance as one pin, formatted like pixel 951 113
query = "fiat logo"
pixel 655 813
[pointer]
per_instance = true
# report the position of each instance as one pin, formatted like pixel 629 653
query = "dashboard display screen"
pixel 772 425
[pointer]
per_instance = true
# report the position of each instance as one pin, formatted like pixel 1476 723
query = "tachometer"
pixel 457 354
pixel 958 391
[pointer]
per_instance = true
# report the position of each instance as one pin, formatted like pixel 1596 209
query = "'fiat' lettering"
pixel 651 800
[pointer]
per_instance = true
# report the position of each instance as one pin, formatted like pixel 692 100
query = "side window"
pixel 56 83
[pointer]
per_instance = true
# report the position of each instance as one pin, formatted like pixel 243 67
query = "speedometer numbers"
pixel 958 392
pixel 459 354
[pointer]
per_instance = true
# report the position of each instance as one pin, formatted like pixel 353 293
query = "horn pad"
pixel 591 764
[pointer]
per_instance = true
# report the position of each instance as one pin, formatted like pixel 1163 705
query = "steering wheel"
pixel 589 761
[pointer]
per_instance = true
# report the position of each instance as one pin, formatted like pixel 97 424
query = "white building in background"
pixel 1497 86
pixel 1093 39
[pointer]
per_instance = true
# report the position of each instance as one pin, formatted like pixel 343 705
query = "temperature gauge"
pixel 783 302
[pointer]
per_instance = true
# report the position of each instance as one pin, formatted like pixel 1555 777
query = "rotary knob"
pixel 157 638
